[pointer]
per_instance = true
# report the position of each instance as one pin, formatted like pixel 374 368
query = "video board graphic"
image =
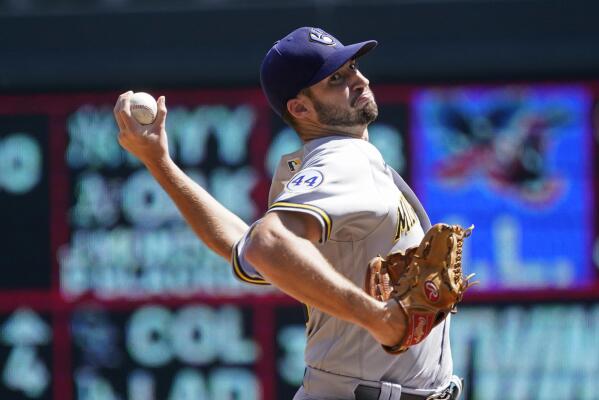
pixel 127 237
pixel 155 352
pixel 514 161
pixel 109 291
pixel 290 322
pixel 542 351
pixel 25 355
pixel 25 202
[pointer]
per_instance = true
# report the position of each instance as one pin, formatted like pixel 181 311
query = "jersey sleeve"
pixel 335 186
pixel 242 269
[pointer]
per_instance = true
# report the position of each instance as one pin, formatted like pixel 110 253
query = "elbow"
pixel 261 244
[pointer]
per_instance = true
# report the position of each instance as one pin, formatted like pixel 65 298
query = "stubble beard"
pixel 336 116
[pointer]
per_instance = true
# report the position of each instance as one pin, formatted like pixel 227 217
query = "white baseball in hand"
pixel 143 108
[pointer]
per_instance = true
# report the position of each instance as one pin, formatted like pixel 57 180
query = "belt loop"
pixel 390 391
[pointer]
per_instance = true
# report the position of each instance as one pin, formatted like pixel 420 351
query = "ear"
pixel 298 108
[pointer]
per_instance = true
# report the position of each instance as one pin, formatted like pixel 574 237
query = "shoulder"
pixel 289 163
pixel 336 185
pixel 337 150
pixel 334 165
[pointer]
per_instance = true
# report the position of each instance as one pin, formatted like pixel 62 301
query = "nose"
pixel 360 81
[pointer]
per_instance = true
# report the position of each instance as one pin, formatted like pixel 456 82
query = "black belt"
pixel 372 393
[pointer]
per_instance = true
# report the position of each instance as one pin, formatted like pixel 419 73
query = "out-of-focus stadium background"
pixel 488 108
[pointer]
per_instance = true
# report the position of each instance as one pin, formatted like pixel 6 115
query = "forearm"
pixel 216 226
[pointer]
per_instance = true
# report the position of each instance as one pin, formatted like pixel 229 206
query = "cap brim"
pixel 338 58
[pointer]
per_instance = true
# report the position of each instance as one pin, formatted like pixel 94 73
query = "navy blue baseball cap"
pixel 299 60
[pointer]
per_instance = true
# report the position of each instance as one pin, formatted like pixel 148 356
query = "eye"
pixel 353 66
pixel 336 77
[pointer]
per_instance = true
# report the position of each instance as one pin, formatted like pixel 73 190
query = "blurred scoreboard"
pixel 107 295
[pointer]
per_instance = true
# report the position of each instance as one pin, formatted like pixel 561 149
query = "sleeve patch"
pixel 305 181
pixel 294 164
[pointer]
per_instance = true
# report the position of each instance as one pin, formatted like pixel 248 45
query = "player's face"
pixel 344 98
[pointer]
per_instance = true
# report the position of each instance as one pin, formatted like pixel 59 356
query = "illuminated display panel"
pixel 127 238
pixel 156 352
pixel 516 162
pixel 290 326
pixel 93 248
pixel 542 351
pixel 25 201
pixel 26 355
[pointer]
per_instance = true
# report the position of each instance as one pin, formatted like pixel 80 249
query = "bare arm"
pixel 216 226
pixel 282 248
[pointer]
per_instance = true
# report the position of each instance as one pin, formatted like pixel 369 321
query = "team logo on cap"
pixel 316 35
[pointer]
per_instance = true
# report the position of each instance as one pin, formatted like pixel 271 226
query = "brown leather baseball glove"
pixel 426 281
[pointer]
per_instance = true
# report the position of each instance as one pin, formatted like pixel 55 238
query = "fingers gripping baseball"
pixel 148 142
pixel 161 116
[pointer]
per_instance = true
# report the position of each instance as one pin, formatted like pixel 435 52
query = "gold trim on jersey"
pixel 241 274
pixel 306 312
pixel 406 217
pixel 313 210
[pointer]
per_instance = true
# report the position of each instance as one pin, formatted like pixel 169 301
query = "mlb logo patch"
pixel 294 164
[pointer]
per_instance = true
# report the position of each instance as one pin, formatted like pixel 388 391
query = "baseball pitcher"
pixel 343 233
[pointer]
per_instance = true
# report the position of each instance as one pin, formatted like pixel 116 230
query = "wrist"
pixel 160 162
pixel 388 323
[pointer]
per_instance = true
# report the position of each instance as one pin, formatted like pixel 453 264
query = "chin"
pixel 369 112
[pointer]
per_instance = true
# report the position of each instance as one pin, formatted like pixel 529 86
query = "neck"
pixel 311 131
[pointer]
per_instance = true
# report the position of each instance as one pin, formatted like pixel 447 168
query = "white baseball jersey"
pixel 345 184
